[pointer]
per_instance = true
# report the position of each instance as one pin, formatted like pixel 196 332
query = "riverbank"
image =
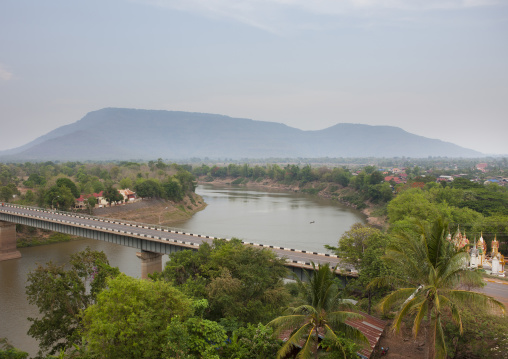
pixel 155 211
pixel 32 237
pixel 322 190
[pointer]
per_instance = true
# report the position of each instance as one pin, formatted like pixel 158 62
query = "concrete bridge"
pixel 152 241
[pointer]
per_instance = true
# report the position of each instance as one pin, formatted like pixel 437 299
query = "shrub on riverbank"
pixel 27 236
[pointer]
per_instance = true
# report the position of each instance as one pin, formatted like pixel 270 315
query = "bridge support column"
pixel 150 262
pixel 8 241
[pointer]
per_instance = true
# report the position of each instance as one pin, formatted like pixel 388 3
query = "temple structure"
pixel 474 254
pixel 459 240
pixel 478 255
pixel 498 261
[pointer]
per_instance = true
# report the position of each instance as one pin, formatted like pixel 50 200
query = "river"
pixel 263 216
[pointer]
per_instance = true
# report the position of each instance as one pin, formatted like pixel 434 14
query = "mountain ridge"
pixel 135 134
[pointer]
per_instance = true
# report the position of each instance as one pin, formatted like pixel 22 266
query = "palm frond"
pixel 464 296
pixel 330 335
pixel 294 340
pixel 286 322
pixel 342 316
pixel 310 342
pixel 422 310
pixel 407 307
pixel 456 316
pixel 351 332
pixel 388 281
pixel 391 299
pixel 440 340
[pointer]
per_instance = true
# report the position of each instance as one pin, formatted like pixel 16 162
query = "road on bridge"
pixel 189 240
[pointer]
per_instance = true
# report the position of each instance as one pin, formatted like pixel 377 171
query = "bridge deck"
pixel 149 233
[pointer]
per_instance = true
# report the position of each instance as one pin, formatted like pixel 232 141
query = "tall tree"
pixel 239 281
pixel 362 247
pixel 433 269
pixel 63 181
pixel 59 197
pixel 61 294
pixel 320 315
pixel 130 318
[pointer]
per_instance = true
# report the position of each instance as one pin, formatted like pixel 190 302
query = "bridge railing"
pixel 104 219
pixel 162 229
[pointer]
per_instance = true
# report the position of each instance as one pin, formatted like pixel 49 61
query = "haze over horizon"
pixel 433 68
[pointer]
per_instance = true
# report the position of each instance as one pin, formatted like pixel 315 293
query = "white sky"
pixel 436 68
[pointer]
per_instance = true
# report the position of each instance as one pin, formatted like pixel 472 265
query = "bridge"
pixel 151 240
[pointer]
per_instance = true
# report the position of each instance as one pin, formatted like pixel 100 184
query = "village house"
pixel 444 179
pixel 482 167
pixel 127 194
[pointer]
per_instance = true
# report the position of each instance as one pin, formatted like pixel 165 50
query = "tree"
pixel 252 342
pixel 173 189
pixel 187 181
pixel 130 318
pixel 148 188
pixel 353 243
pixel 29 197
pixel 320 314
pixel 69 184
pixel 433 269
pixel 34 180
pixel 363 247
pixel 238 281
pixel 7 351
pixel 125 182
pixel 61 294
pixel 90 203
pixel 194 338
pixel 6 193
pixel 114 172
pixel 59 197
pixel 112 195
pixel 412 203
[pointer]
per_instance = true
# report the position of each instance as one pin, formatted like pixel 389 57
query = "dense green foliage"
pixel 7 351
pixel 240 282
pixel 57 185
pixel 363 247
pixel 130 318
pixel 61 294
pixel 252 342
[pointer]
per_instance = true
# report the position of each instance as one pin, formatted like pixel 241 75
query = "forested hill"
pixel 129 134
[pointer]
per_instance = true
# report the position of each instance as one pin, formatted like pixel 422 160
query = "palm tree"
pixel 434 270
pixel 319 316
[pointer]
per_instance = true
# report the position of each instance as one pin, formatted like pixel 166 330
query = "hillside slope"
pixel 129 134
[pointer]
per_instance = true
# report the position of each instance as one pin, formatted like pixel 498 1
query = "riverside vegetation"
pixel 225 300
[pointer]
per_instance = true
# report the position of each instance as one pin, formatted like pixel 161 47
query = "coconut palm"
pixel 434 270
pixel 318 317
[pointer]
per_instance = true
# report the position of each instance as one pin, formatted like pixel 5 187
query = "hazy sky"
pixel 437 68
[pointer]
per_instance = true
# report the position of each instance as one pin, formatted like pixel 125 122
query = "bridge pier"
pixel 150 262
pixel 8 241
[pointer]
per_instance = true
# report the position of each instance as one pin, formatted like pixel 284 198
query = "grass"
pixel 40 241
